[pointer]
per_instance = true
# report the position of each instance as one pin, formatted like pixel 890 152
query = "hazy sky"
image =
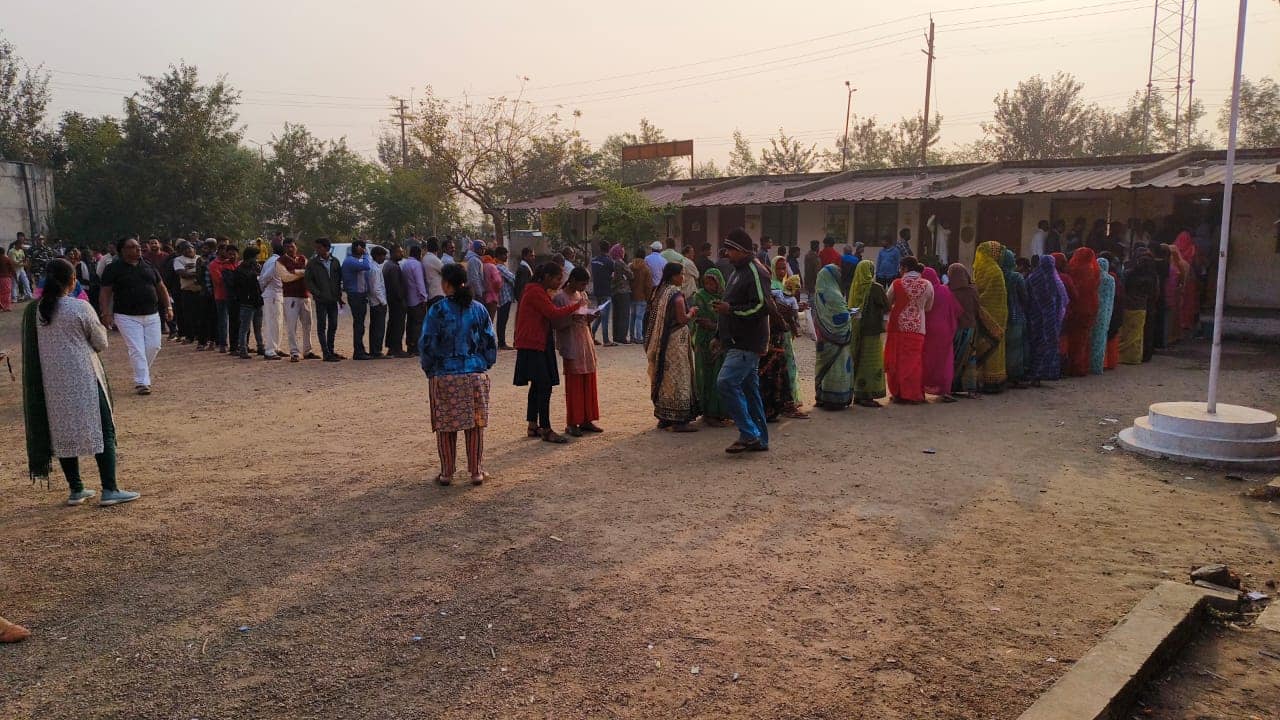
pixel 698 69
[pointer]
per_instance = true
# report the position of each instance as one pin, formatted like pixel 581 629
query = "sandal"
pixel 535 432
pixel 591 428
pixel 737 447
pixel 550 436
pixel 444 480
pixel 573 431
pixel 684 428
pixel 479 479
pixel 869 404
pixel 949 399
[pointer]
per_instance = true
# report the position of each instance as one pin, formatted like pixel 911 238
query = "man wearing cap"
pixel 656 263
pixel 743 334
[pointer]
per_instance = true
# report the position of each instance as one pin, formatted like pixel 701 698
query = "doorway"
pixel 946 214
pixel 1001 220
pixel 693 226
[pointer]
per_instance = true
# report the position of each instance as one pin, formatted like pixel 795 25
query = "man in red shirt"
pixel 292 267
pixel 224 262
pixel 829 254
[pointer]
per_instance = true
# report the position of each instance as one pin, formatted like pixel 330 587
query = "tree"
pixel 484 148
pixel 626 216
pixel 707 170
pixel 181 163
pixel 904 149
pixel 1259 114
pixel 868 148
pixel 404 199
pixel 787 155
pixel 316 188
pixel 24 95
pixel 1041 119
pixel 85 162
pixel 633 172
pixel 742 159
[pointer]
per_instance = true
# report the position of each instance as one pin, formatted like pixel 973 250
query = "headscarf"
pixel 965 294
pixel 1064 278
pixel 1186 247
pixel 946 311
pixel 1046 296
pixel 989 280
pixel 1106 295
pixel 617 252
pixel 779 270
pixel 864 275
pixel 704 299
pixel 1086 276
pixel 830 310
pixel 848 265
pixel 1015 286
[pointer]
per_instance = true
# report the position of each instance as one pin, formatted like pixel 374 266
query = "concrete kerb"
pixel 1105 682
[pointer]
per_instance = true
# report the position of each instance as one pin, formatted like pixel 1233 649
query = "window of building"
pixel 838 222
pixel 873 222
pixel 779 223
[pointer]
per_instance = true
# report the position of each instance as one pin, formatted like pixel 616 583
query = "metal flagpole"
pixel 1215 358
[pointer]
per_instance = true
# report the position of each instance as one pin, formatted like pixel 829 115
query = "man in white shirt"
pixel 656 263
pixel 377 303
pixel 432 263
pixel 1037 238
pixel 272 287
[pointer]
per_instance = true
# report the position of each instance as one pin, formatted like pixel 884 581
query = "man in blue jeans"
pixel 355 280
pixel 743 333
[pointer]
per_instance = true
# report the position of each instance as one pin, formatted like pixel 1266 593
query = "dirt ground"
pixel 1227 672
pixel 290 558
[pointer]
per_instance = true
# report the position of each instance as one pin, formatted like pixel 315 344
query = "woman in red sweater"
pixel 536 347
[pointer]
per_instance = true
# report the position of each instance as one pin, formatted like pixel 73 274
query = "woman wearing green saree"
pixel 868 325
pixel 706 361
pixel 833 368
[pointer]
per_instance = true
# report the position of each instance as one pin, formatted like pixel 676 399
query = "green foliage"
pixel 626 216
pixel 24 95
pixel 85 160
pixel 405 199
pixel 181 160
pixel 316 188
pixel 1259 114
pixel 742 159
pixel 787 155
pixel 1041 118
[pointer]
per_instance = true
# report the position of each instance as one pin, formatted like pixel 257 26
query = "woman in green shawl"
pixel 833 368
pixel 1015 335
pixel 868 325
pixel 706 358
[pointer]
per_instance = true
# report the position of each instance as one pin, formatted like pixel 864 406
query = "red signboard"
pixel 675 148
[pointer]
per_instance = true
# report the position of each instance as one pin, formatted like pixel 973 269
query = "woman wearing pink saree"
pixel 940 322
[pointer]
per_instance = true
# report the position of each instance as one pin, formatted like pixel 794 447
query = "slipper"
pixel 684 428
pixel 572 431
pixel 949 399
pixel 737 447
pixel 479 479
pixel 535 433
pixel 551 437
pixel 444 480
pixel 591 428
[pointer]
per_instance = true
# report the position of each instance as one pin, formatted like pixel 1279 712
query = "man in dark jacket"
pixel 397 303
pixel 324 282
pixel 743 334
pixel 602 291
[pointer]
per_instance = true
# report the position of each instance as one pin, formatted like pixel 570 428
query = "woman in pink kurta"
pixel 941 322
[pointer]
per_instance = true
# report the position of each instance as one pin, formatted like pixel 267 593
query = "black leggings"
pixel 539 405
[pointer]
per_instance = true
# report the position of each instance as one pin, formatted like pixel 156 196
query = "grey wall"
pixel 14 215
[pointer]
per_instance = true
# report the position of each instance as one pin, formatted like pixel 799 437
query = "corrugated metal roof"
pixel 886 187
pixel 668 193
pixel 1246 172
pixel 1021 181
pixel 758 192
pixel 574 199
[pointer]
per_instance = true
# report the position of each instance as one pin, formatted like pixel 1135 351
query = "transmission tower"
pixel 1171 75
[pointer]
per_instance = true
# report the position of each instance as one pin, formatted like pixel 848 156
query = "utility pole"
pixel 404 143
pixel 928 86
pixel 848 105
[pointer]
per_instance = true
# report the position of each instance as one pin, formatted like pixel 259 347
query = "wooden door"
pixel 734 216
pixel 693 226
pixel 947 224
pixel 1001 220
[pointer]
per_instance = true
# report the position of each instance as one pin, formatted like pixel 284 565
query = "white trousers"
pixel 295 309
pixel 271 317
pixel 141 335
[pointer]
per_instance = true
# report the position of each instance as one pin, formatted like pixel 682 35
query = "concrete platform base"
pixel 1104 683
pixel 1234 437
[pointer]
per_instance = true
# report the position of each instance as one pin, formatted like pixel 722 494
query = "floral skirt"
pixel 459 402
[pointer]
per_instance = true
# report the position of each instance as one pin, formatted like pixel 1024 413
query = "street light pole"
pixel 848 106
pixel 1215 357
